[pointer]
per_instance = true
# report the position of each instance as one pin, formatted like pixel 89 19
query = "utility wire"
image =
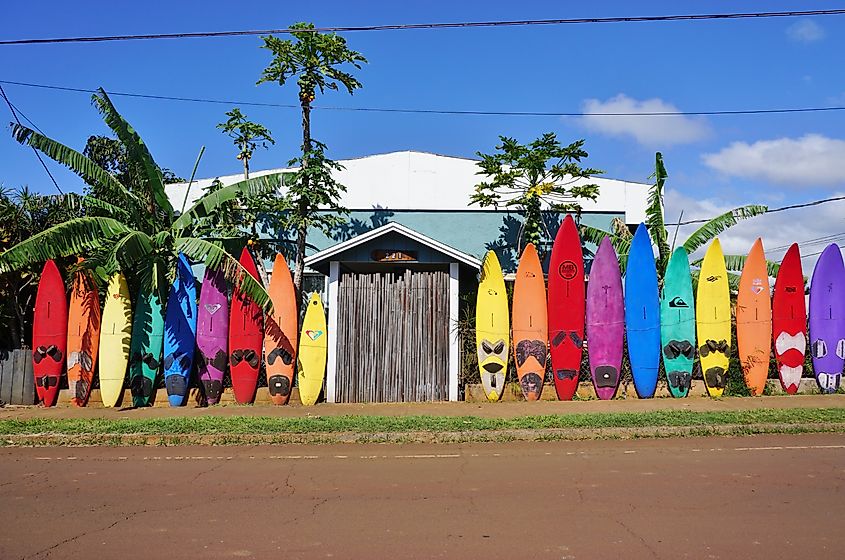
pixel 770 211
pixel 434 111
pixel 37 153
pixel 425 26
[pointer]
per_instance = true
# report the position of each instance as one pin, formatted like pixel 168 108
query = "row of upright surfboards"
pixel 670 323
pixel 167 335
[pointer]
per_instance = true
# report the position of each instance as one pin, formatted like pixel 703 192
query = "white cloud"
pixel 805 31
pixel 652 131
pixel 811 160
pixel 813 228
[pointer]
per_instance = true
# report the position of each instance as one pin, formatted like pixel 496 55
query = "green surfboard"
pixel 146 345
pixel 677 324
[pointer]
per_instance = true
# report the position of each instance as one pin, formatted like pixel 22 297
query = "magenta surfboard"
pixel 605 321
pixel 213 334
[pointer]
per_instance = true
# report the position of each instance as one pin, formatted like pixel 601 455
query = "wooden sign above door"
pixel 393 255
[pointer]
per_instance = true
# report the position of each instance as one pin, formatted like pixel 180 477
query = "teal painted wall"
pixel 473 232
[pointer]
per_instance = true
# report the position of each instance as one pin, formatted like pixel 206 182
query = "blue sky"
pixel 714 162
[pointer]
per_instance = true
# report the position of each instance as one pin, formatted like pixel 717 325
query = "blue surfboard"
pixel 642 313
pixel 180 331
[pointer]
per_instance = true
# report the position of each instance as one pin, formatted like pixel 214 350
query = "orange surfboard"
pixel 280 333
pixel 530 324
pixel 83 336
pixel 754 320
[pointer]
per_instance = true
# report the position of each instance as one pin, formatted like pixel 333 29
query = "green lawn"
pixel 247 425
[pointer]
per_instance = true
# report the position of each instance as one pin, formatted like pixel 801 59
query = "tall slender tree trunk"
pixel 302 208
pixel 256 253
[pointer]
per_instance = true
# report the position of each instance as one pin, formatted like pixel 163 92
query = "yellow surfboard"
pixel 115 336
pixel 713 319
pixel 492 327
pixel 313 347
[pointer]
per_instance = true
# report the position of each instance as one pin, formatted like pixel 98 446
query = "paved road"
pixel 758 497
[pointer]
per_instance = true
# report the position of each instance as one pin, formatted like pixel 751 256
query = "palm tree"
pixel 134 230
pixel 621 236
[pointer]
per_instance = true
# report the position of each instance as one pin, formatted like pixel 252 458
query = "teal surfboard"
pixel 146 346
pixel 677 324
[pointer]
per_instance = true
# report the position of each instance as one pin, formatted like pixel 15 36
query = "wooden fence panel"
pixel 393 337
pixel 17 384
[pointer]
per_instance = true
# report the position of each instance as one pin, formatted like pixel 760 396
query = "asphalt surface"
pixel 754 497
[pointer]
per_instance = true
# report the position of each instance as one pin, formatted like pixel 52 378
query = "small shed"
pixel 392 316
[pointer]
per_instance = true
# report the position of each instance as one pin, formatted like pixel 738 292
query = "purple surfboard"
pixel 827 319
pixel 605 321
pixel 213 334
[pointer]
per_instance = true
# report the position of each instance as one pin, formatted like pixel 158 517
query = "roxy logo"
pixel 314 335
pixel 567 270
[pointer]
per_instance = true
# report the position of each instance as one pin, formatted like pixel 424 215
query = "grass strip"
pixel 262 425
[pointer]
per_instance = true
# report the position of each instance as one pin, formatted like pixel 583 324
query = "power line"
pixel 425 26
pixel 817 253
pixel 770 211
pixel 37 153
pixel 433 111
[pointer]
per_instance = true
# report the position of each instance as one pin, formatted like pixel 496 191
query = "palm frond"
pixel 717 225
pixel 737 263
pixel 654 214
pixel 73 237
pixel 132 249
pixel 255 186
pixel 136 149
pixel 214 256
pixel 592 234
pixel 89 171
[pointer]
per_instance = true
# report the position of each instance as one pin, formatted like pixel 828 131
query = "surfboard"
pixel 492 330
pixel 642 314
pixel 313 347
pixel 530 324
pixel 246 334
pixel 280 336
pixel 115 339
pixel 212 334
pixel 49 334
pixel 677 324
pixel 605 321
pixel 754 320
pixel 180 331
pixel 789 320
pixel 827 319
pixel 147 341
pixel 83 336
pixel 713 319
pixel 566 308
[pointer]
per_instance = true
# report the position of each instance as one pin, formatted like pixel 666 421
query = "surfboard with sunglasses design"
pixel 754 320
pixel 713 320
pixel 246 335
pixel 677 324
pixel 49 334
pixel 566 308
pixel 280 336
pixel 492 328
pixel 530 324
pixel 147 343
pixel 212 334
pixel 180 331
pixel 605 321
pixel 115 340
pixel 642 314
pixel 313 352
pixel 827 319
pixel 83 336
pixel 789 320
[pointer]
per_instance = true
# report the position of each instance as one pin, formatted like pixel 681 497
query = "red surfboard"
pixel 49 334
pixel 789 320
pixel 246 334
pixel 567 300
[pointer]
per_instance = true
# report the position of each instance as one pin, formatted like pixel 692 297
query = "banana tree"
pixel 621 236
pixel 133 230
